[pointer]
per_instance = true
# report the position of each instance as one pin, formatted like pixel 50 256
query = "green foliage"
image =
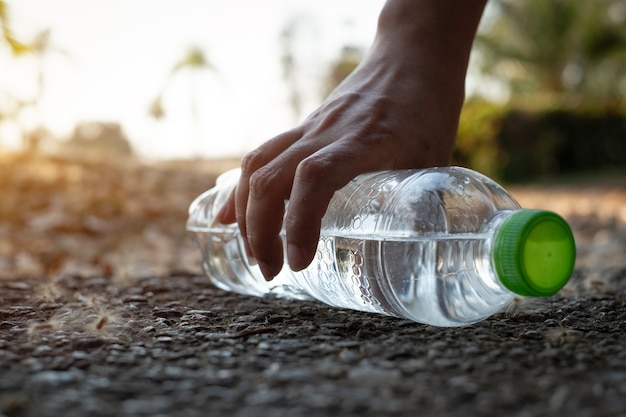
pixel 194 58
pixel 194 61
pixel 515 145
pixel 553 142
pixel 339 70
pixel 476 144
pixel 572 49
pixel 564 65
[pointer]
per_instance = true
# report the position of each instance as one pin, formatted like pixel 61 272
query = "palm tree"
pixel 563 48
pixel 194 62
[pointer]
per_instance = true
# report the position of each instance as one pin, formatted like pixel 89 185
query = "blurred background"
pixel 213 79
pixel 199 79
pixel 115 114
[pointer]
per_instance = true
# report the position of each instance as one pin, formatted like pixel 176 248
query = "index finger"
pixel 248 201
pixel 316 180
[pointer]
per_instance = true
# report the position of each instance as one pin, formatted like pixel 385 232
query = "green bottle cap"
pixel 534 253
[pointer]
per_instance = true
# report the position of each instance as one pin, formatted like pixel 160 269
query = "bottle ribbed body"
pixel 412 243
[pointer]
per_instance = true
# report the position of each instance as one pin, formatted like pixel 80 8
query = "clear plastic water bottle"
pixel 441 246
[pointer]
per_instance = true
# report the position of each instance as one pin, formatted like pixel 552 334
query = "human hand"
pixel 398 109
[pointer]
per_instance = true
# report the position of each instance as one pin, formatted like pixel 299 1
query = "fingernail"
pixel 295 256
pixel 246 248
pixel 267 270
pixel 248 252
pixel 221 214
pixel 252 260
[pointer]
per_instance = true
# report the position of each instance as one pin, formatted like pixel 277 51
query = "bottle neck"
pixel 490 229
pixel 494 223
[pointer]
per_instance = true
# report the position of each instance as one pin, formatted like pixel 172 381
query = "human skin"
pixel 399 109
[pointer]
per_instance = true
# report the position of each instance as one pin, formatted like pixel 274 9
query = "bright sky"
pixel 117 54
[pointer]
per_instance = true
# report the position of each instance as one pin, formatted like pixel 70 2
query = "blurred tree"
pixel 300 57
pixel 288 61
pixel 40 47
pixel 348 60
pixel 193 62
pixel 570 50
pixel 17 47
pixel 156 109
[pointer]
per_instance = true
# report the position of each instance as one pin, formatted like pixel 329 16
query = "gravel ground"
pixel 170 344
pixel 176 346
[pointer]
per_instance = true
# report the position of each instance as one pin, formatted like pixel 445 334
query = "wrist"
pixel 437 31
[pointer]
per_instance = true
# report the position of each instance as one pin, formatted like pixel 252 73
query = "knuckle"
pixel 316 179
pixel 252 161
pixel 314 168
pixel 262 182
pixel 335 110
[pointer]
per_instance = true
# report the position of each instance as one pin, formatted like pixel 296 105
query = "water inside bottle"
pixel 431 278
pixel 428 278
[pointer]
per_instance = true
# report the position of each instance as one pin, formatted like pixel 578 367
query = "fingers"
pixel 259 201
pixel 226 214
pixel 269 187
pixel 316 180
pixel 306 169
